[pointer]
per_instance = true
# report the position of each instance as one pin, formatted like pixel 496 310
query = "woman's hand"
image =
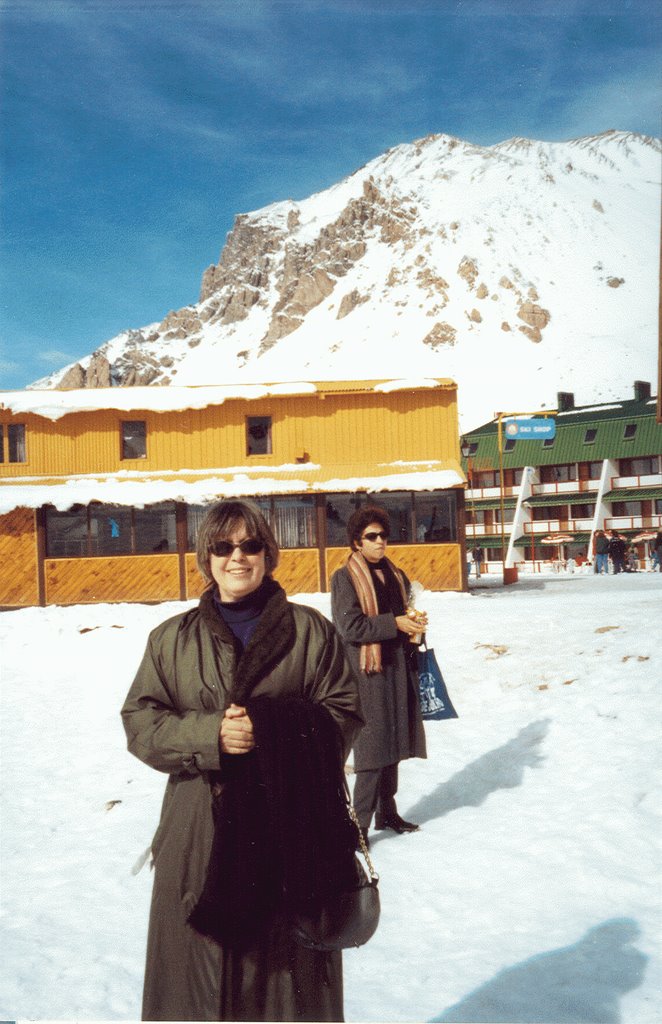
pixel 236 731
pixel 410 626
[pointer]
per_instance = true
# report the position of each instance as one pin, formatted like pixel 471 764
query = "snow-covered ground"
pixel 531 894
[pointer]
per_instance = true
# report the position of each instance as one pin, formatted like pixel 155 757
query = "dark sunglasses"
pixel 373 536
pixel 223 548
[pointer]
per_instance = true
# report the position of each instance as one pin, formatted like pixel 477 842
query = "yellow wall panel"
pixel 195 584
pixel 122 578
pixel 18 559
pixel 298 571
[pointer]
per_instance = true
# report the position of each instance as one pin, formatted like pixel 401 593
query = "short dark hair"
pixel 221 519
pixel 363 516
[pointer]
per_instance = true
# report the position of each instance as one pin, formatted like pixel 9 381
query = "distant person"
pixel 656 552
pixel 617 551
pixel 601 553
pixel 478 556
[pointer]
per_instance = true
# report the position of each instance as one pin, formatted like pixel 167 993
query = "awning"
pixel 525 540
pixel 578 498
pixel 634 494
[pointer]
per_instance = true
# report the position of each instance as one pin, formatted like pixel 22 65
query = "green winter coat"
pixel 172 716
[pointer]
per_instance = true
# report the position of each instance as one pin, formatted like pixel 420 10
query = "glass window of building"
pixel 196 513
pixel 339 508
pixel 110 530
pixel 16 442
pixel 155 528
pixel 558 474
pixel 134 439
pixel 582 511
pixel 294 521
pixel 436 520
pixel 66 533
pixel 594 469
pixel 626 508
pixel 398 505
pixel 590 435
pixel 630 431
pixel 258 435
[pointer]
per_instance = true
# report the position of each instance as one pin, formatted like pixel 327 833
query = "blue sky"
pixel 133 131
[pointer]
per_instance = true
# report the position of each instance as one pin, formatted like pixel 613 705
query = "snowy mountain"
pixel 517 269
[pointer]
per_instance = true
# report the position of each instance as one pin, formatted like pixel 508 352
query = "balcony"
pixel 543 526
pixel 631 482
pixel 566 487
pixel 481 530
pixel 653 522
pixel 476 493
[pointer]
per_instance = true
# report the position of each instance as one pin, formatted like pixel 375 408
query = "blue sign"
pixel 534 429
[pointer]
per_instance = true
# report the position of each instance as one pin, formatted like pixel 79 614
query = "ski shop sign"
pixel 534 429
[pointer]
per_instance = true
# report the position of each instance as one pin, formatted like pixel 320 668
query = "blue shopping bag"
pixel 433 695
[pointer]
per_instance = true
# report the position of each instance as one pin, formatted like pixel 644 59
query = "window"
pixel 639 467
pixel 594 470
pixel 485 478
pixel 558 474
pixel 582 511
pixel 258 435
pixel 510 444
pixel 66 533
pixel 134 439
pixel 549 442
pixel 626 508
pixel 436 520
pixel 339 508
pixel 398 504
pixel 658 506
pixel 16 450
pixel 294 521
pixel 110 530
pixel 630 431
pixel 546 512
pixel 590 435
pixel 473 448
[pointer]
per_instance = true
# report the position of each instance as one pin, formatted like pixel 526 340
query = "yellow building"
pixel 101 491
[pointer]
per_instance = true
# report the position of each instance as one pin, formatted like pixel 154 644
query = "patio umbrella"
pixel 557 538
pixel 646 535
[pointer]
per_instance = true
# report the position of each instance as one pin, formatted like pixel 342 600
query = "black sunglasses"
pixel 223 548
pixel 373 536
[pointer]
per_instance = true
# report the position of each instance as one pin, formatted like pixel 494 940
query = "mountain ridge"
pixel 517 269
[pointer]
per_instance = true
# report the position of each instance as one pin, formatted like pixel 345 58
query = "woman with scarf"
pixel 248 703
pixel 369 597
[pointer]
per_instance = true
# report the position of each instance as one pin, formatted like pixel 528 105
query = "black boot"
pixel 396 824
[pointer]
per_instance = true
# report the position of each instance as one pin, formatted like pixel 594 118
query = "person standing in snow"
pixel 617 549
pixel 601 553
pixel 656 552
pixel 478 555
pixel 369 598
pixel 231 698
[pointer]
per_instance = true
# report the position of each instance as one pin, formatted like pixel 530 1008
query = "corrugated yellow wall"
pixel 297 573
pixel 121 578
pixel 334 429
pixel 18 559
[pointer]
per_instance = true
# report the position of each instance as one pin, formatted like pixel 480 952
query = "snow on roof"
pixel 199 487
pixel 53 404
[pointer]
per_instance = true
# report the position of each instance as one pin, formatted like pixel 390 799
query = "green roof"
pixel 485 503
pixel 608 420
pixel 634 494
pixel 579 498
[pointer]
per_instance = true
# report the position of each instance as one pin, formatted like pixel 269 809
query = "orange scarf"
pixel 370 658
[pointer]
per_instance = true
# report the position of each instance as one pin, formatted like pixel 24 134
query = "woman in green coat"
pixel 250 706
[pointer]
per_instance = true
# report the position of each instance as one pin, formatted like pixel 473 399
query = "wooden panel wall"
pixel 337 429
pixel 18 559
pixel 195 584
pixel 298 571
pixel 436 566
pixel 121 578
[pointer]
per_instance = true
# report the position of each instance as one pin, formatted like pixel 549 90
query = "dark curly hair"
pixel 363 516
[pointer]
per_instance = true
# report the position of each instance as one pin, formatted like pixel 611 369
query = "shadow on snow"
pixel 580 984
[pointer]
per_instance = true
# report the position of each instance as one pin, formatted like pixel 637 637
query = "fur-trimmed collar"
pixel 272 640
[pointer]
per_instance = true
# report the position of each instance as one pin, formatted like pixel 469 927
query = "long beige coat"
pixel 172 717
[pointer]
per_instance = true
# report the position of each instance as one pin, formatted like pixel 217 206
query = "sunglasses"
pixel 223 548
pixel 373 536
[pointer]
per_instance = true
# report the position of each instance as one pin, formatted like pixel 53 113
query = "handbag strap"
pixel 364 846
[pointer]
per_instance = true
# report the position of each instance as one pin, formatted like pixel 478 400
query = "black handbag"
pixel 351 918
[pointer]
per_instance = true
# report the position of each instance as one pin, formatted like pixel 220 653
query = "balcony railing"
pixel 476 493
pixel 558 526
pixel 653 522
pixel 566 487
pixel 480 529
pixel 650 480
